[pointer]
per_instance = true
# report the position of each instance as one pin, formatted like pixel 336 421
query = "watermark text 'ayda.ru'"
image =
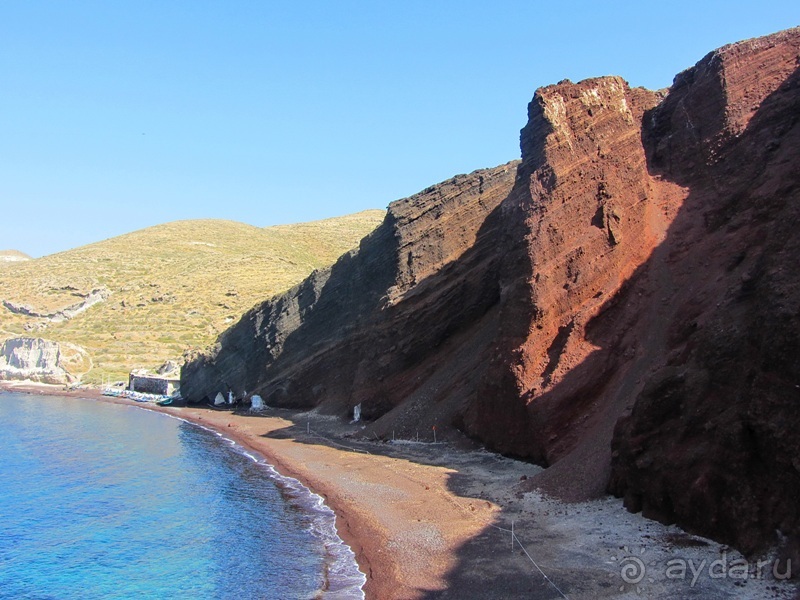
pixel 633 569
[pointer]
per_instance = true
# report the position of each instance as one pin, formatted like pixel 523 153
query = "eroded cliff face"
pixel 586 215
pixel 380 325
pixel 36 359
pixel 621 306
pixel 712 441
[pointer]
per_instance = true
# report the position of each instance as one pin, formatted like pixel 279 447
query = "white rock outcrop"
pixel 34 359
pixel 94 297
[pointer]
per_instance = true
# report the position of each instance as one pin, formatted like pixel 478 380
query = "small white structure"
pixel 356 413
pixel 219 399
pixel 256 403
pixel 141 381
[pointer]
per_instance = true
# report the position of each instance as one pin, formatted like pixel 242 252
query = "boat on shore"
pixel 160 399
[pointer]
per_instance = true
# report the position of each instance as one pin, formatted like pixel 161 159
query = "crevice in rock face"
pixel 556 349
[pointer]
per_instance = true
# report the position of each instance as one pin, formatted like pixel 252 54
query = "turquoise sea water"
pixel 109 501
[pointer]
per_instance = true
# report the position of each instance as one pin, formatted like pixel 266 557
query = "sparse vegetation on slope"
pixel 173 286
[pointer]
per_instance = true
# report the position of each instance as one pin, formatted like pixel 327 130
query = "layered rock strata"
pixel 68 312
pixel 378 326
pixel 621 306
pixel 712 441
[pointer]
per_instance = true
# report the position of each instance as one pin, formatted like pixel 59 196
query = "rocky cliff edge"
pixel 621 306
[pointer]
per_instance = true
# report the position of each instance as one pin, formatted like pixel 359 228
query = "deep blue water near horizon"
pixel 108 501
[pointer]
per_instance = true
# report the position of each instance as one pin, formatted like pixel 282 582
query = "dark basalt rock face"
pixel 621 306
pixel 374 326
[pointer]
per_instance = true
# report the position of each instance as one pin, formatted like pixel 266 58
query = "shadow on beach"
pixel 574 550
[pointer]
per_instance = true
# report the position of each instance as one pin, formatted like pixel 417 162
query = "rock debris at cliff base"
pixel 621 306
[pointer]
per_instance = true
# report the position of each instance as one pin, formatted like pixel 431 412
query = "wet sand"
pixel 433 520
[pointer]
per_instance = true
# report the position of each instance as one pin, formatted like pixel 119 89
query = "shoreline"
pixel 431 521
pixel 348 575
pixel 314 466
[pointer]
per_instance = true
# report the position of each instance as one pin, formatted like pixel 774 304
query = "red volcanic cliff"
pixel 623 306
pixel 713 438
pixel 587 213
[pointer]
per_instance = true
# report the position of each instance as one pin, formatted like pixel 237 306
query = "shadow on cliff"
pixel 410 353
pixel 271 343
pixel 699 351
pixel 688 405
pixel 711 439
pixel 698 359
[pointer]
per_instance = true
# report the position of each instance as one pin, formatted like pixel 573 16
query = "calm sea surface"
pixel 109 501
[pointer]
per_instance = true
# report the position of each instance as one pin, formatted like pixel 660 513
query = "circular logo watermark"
pixel 632 570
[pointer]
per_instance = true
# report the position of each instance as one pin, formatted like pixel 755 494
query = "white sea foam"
pixel 344 580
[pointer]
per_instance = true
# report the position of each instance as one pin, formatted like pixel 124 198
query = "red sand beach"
pixel 433 521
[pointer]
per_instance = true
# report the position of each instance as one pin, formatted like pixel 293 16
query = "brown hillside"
pixel 165 288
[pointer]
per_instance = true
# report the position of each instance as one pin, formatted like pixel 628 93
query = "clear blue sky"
pixel 121 114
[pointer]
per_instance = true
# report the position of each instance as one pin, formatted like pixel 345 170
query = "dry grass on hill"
pixel 173 287
pixel 13 256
